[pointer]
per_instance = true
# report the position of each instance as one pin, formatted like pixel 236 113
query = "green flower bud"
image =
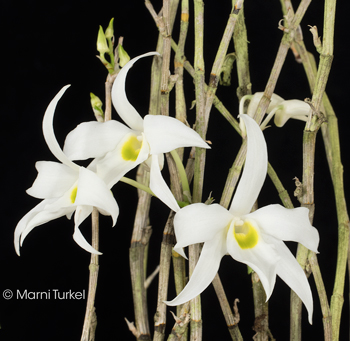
pixel 96 105
pixel 110 31
pixel 123 56
pixel 102 46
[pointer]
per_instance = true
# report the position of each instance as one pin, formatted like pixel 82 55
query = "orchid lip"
pixel 246 234
pixel 131 148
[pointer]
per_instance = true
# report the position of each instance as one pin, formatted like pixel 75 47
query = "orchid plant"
pixel 234 227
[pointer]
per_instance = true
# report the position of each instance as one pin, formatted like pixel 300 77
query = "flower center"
pixel 246 234
pixel 73 194
pixel 131 148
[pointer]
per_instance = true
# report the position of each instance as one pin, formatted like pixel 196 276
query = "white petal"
pixel 262 258
pixel 81 241
pixel 254 172
pixel 287 224
pixel 291 109
pixel 43 217
pixel 94 139
pixel 22 224
pixel 205 270
pixel 159 187
pixel 53 180
pixel 165 134
pixel 293 275
pixel 49 134
pixel 275 100
pixel 113 166
pixel 92 191
pixel 81 213
pixel 121 104
pixel 198 223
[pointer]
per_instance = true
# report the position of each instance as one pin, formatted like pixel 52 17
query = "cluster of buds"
pixel 105 45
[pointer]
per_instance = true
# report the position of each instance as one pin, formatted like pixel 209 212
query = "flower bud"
pixel 102 46
pixel 123 56
pixel 110 31
pixel 96 105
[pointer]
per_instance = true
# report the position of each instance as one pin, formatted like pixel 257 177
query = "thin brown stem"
pixel 165 260
pixel 90 320
pixel 230 318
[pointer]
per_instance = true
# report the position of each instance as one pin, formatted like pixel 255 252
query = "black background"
pixel 48 45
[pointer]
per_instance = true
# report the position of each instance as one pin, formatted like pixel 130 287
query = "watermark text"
pixel 52 294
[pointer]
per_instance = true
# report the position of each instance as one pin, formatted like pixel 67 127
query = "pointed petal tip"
pixel 120 102
pixel 159 187
pixel 170 303
pixel 48 131
pixel 310 319
pixel 180 251
pixel 17 249
pixel 81 241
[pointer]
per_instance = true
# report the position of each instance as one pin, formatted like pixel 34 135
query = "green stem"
pixel 193 250
pixel 180 167
pixel 261 310
pixel 219 59
pixel 165 260
pixel 137 185
pixel 180 102
pixel 242 60
pixel 310 69
pixel 280 58
pixel 138 259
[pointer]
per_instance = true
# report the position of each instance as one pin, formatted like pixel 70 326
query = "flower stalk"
pixel 90 320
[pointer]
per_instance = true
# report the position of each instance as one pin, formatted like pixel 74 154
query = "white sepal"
pixel 92 191
pixel 254 172
pixel 287 224
pixel 198 223
pixel 52 181
pixel 159 187
pixel 94 139
pixel 205 270
pixel 121 103
pixel 293 275
pixel 81 213
pixel 49 134
pixel 165 134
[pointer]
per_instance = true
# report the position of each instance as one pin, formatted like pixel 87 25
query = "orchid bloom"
pixel 255 239
pixel 118 148
pixel 65 188
pixel 282 109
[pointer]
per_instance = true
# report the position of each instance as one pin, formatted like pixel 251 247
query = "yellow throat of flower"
pixel 246 235
pixel 73 194
pixel 131 148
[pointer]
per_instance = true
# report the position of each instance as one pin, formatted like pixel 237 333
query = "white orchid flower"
pixel 282 109
pixel 65 188
pixel 255 239
pixel 118 149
